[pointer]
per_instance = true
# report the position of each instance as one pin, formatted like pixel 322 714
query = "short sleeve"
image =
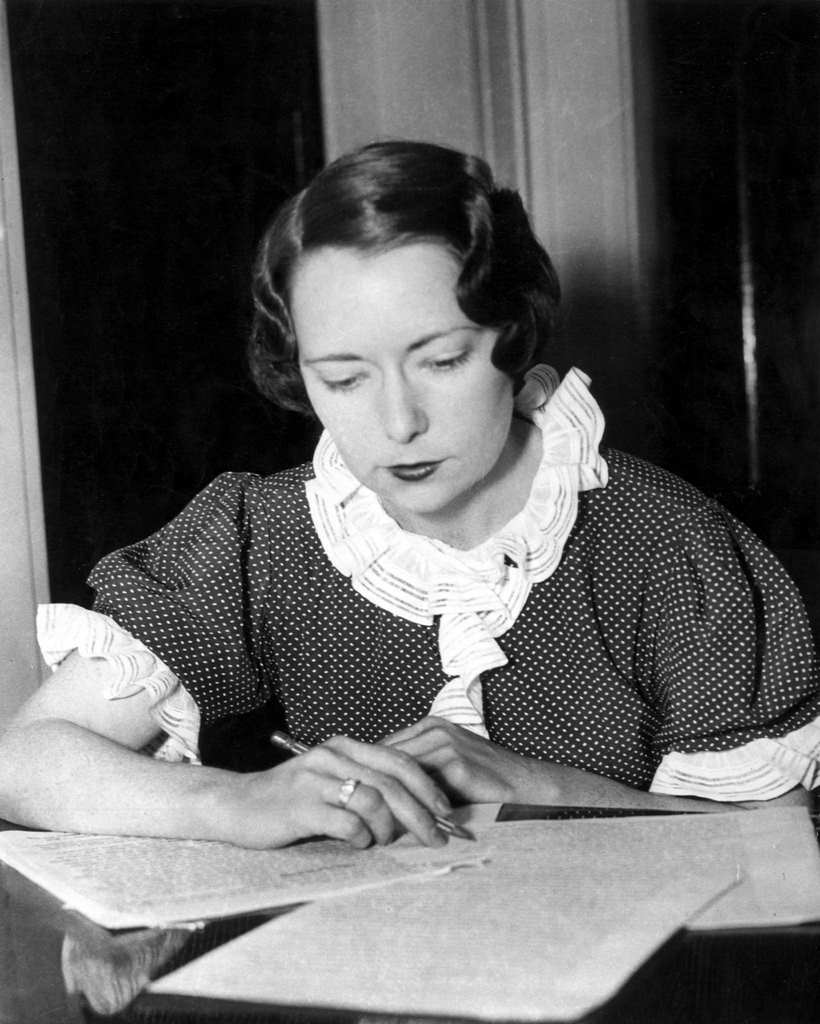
pixel 63 628
pixel 194 593
pixel 728 639
pixel 760 770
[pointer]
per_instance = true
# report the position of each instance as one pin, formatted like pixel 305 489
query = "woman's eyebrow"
pixel 334 357
pixel 348 357
pixel 435 335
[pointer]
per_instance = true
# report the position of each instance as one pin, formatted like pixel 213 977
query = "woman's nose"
pixel 403 413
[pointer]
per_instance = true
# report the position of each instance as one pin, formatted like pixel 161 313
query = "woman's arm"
pixel 474 770
pixel 70 760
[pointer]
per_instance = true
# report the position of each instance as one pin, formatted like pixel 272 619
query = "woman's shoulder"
pixel 639 488
pixel 283 483
pixel 646 508
pixel 235 509
pixel 265 517
pixel 242 494
pixel 647 512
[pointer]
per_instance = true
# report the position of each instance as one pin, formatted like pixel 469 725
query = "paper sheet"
pixel 780 863
pixel 552 925
pixel 775 852
pixel 126 882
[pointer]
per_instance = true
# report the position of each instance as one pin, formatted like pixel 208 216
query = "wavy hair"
pixel 389 194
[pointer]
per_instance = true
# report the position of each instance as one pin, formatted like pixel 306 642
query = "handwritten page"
pixel 126 882
pixel 554 921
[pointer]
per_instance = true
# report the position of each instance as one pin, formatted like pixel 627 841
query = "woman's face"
pixel 403 381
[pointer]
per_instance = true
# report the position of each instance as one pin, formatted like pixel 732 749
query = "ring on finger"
pixel 346 791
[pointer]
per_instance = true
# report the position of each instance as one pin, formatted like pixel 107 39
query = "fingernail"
pixel 443 806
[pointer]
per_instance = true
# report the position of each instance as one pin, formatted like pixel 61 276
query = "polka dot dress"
pixel 666 627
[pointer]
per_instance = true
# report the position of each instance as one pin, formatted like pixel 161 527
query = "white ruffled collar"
pixel 477 594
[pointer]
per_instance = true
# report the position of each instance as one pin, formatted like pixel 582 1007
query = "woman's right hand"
pixel 95 780
pixel 300 798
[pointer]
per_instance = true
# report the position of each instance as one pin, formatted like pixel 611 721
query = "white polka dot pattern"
pixel 666 627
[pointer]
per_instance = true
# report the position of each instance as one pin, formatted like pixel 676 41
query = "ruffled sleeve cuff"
pixel 63 628
pixel 760 770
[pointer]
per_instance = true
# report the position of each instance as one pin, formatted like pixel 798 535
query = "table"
pixel 58 968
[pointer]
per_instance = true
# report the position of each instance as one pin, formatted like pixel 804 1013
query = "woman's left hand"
pixel 469 768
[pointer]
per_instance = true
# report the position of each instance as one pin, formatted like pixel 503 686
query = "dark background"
pixel 156 140
pixel 739 83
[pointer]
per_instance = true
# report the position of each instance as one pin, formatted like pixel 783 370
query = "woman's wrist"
pixel 546 782
pixel 539 782
pixel 214 810
pixel 253 809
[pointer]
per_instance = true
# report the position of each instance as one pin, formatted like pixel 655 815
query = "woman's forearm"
pixel 475 770
pixel 545 782
pixel 58 775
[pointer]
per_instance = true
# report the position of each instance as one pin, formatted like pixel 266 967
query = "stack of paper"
pixel 552 925
pixel 534 920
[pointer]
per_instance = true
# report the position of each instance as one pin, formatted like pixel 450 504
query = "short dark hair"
pixel 388 194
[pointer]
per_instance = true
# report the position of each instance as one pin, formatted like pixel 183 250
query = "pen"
pixel 281 739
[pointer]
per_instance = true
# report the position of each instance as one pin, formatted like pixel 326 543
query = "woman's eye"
pixel 450 362
pixel 345 384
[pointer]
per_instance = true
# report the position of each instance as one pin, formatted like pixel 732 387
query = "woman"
pixel 463 598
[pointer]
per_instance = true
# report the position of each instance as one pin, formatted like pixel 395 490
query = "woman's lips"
pixel 412 472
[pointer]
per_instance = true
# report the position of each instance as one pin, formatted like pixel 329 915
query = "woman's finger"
pixel 358 799
pixel 424 745
pixel 397 765
pixel 341 824
pixel 328 798
pixel 410 795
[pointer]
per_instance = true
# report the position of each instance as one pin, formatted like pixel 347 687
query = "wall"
pixel 23 574
pixel 403 68
pixel 155 141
